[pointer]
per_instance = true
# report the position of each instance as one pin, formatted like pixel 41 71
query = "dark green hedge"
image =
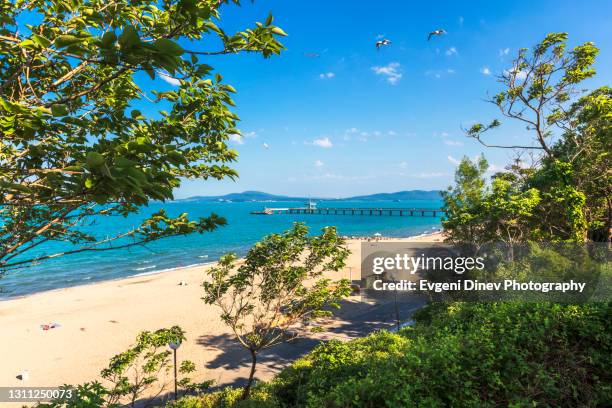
pixel 456 355
pixel 494 354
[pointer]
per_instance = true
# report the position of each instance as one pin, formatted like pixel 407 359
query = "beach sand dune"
pixel 100 320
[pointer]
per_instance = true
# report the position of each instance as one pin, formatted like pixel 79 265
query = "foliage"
pixel 538 88
pixel 561 215
pixel 134 374
pixel 478 214
pixel 136 370
pixel 261 396
pixel 493 354
pixel 82 137
pixel 88 395
pixel 565 195
pixel 587 145
pixel 464 204
pixel 279 285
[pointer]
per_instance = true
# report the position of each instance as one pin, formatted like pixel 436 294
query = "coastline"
pixel 425 237
pixel 100 319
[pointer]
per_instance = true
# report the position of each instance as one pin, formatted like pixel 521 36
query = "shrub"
pixel 510 354
pixel 260 397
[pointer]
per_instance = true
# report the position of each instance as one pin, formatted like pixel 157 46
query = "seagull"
pixel 437 32
pixel 382 43
pixel 266 146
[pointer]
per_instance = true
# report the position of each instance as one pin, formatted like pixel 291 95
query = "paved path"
pixel 358 317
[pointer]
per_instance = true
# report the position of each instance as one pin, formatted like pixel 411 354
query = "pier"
pixel 374 211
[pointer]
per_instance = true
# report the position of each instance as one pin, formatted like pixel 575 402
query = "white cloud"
pixel 519 74
pixel 461 20
pixel 453 160
pixel 323 142
pixel 171 80
pixel 391 72
pixel 236 138
pixel 318 163
pixel 403 164
pixel 392 133
pixel 504 51
pixel 327 75
pixel 451 51
pixel 439 73
pixel 485 71
pixel 251 134
pixel 429 175
pixel 444 134
pixel 453 143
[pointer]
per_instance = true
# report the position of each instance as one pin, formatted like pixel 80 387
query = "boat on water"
pixel 265 211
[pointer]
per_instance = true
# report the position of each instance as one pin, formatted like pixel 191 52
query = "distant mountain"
pixel 245 196
pixel 400 195
pixel 260 196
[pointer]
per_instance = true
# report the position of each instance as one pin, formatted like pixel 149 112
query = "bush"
pixel 510 354
pixel 260 397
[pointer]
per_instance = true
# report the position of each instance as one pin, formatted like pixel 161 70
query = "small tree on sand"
pixel 278 286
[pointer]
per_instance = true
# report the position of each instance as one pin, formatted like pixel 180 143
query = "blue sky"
pixel 356 120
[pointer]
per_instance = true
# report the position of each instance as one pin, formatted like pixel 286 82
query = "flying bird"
pixel 265 146
pixel 436 32
pixel 382 43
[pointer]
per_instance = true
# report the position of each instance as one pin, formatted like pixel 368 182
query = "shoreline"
pixel 435 234
pixel 98 320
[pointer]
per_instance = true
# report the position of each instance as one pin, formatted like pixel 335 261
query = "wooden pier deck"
pixel 402 212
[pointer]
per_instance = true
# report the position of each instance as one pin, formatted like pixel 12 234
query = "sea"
pixel 242 231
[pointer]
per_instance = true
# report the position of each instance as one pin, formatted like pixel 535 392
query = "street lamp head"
pixel 174 345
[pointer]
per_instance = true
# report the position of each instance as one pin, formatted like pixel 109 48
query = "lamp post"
pixel 174 346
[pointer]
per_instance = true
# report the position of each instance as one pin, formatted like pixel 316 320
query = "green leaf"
pixel 129 37
pixel 168 47
pixel 108 39
pixel 94 160
pixel 123 162
pixel 279 31
pixel 150 72
pixel 40 40
pixel 59 110
pixel 66 40
pixel 270 19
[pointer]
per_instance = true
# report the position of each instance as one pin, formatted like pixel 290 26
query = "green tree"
pixel 133 374
pixel 587 145
pixel 89 128
pixel 279 285
pixel 571 174
pixel 538 88
pixel 464 205
pixel 509 210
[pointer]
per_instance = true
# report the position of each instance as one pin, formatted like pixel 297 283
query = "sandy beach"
pixel 100 320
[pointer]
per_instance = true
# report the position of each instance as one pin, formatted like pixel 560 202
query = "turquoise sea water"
pixel 242 231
